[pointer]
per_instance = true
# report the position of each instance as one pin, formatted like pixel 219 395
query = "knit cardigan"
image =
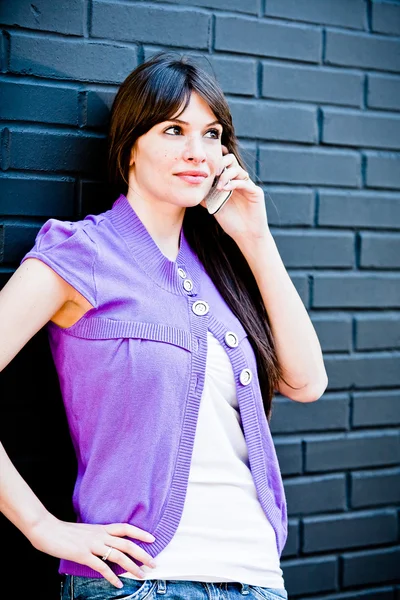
pixel 131 373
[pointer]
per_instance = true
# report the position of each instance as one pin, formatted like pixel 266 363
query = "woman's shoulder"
pixel 70 248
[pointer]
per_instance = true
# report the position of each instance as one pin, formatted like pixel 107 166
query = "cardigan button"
pixel 188 285
pixel 181 272
pixel 245 376
pixel 200 307
pixel 231 339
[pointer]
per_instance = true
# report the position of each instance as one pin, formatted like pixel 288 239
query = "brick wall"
pixel 314 89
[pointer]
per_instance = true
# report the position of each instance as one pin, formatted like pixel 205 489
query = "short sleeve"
pixel 67 248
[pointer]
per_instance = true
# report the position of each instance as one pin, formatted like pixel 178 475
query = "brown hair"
pixel 151 94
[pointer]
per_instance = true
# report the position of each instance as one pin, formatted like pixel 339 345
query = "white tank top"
pixel 223 534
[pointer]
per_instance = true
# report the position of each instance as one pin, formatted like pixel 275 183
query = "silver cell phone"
pixel 215 199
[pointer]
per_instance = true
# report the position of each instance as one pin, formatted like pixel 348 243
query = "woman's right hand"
pixel 86 543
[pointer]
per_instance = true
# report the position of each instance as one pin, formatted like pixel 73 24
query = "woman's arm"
pixel 297 345
pixel 31 297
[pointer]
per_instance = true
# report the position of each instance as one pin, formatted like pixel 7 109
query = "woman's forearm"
pixel 17 500
pixel 297 345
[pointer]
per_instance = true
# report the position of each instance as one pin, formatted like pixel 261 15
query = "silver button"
pixel 181 272
pixel 188 285
pixel 200 307
pixel 231 339
pixel 245 376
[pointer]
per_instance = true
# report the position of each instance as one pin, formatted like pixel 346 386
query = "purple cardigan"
pixel 131 374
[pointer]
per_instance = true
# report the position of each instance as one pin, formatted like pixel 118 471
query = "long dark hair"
pixel 151 94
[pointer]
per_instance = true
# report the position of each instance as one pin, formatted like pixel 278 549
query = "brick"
pixel 41 16
pixel 383 170
pixel 330 412
pixel 310 575
pixel 98 107
pixel 368 370
pixel 352 450
pixel 308 495
pixel 374 488
pixel 300 282
pixel 35 197
pixel 356 290
pixel 266 38
pixel 379 250
pixel 383 92
pixel 280 164
pixel 250 6
pixel 329 12
pixel 376 408
pixel 291 547
pixel 312 84
pixel 315 248
pixel 349 530
pixel 385 17
pixel 352 49
pixel 269 121
pixel 40 103
pixel 78 59
pixel 289 455
pixel 334 332
pixel 18 240
pixel 371 566
pixel 57 151
pixel 236 75
pixel 359 209
pixel 356 128
pixel 248 152
pixel 289 206
pixel 134 23
pixel 377 332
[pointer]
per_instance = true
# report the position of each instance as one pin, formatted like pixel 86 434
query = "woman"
pixel 170 329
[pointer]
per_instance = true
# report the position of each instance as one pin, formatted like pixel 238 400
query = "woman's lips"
pixel 192 178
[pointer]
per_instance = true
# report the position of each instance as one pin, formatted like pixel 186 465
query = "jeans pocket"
pixel 94 588
pixel 266 593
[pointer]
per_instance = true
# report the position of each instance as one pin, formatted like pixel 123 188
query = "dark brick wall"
pixel 314 89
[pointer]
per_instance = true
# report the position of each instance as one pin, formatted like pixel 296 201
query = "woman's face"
pixel 172 147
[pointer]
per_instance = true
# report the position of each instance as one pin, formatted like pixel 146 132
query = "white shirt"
pixel 223 534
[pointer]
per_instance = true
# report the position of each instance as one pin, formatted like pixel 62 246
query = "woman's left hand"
pixel 244 215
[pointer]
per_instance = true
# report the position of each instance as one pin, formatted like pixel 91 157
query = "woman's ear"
pixel 132 157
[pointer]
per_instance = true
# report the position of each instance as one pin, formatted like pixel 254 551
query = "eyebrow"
pixel 186 123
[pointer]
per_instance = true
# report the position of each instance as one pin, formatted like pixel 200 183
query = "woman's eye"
pixel 215 132
pixel 173 127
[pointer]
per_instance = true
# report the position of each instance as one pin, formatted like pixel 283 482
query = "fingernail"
pixel 151 537
pixel 120 585
pixel 152 563
pixel 142 573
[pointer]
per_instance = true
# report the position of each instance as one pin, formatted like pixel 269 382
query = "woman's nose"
pixel 194 150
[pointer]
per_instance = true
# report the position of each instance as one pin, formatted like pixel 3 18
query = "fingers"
pixel 99 565
pixel 229 174
pixel 120 558
pixel 125 529
pixel 130 548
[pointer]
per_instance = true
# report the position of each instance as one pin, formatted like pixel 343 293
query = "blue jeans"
pixel 74 587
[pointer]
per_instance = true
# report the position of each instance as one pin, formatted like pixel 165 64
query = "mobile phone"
pixel 215 199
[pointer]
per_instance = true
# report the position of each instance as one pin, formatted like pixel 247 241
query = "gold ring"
pixel 247 177
pixel 107 554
